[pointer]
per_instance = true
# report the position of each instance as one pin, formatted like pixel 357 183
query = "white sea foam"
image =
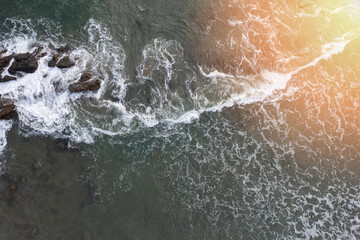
pixel 42 100
pixel 5 126
pixel 258 89
pixel 235 22
pixel 176 95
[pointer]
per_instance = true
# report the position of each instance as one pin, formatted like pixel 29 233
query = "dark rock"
pixel 65 145
pixel 61 145
pixel 24 63
pixel 22 57
pixel 64 48
pixel 19 75
pixel 38 51
pixel 3 51
pixel 114 98
pixel 91 85
pixel 7 108
pixel 65 62
pixel 41 55
pixel 86 76
pixel 7 78
pixel 54 60
pixel 4 62
pixel 58 86
pixel 72 147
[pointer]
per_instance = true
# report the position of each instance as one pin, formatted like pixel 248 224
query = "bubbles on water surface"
pixel 247 164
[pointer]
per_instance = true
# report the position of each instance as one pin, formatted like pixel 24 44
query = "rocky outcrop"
pixel 38 51
pixel 3 52
pixel 86 83
pixel 64 48
pixel 54 60
pixel 41 55
pixel 7 78
pixel 28 62
pixel 91 85
pixel 85 77
pixel 25 62
pixel 4 62
pixel 18 65
pixel 65 62
pixel 7 108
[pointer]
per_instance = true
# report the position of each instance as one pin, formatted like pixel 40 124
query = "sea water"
pixel 214 120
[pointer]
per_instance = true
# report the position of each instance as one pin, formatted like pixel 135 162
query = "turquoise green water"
pixel 174 145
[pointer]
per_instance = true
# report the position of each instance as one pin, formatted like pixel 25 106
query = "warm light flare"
pixel 302 31
pixel 283 36
pixel 315 44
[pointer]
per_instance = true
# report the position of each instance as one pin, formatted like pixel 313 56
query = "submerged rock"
pixel 34 232
pixel 65 62
pixel 65 145
pixel 54 60
pixel 94 196
pixel 64 48
pixel 41 55
pixel 114 98
pixel 61 145
pixel 25 62
pixel 7 108
pixel 7 78
pixel 38 51
pixel 85 84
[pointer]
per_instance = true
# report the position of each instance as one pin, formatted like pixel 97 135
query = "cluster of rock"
pixel 19 64
pixel 25 62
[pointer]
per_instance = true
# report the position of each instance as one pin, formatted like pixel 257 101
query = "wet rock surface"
pixel 92 85
pixel 54 60
pixel 87 82
pixel 64 48
pixel 39 51
pixel 65 62
pixel 4 62
pixel 86 76
pixel 7 78
pixel 18 65
pixel 3 51
pixel 25 62
pixel 7 108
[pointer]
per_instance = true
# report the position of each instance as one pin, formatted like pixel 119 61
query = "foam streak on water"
pixel 233 119
pixel 45 106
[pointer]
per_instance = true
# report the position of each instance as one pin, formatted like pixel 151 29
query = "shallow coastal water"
pixel 215 120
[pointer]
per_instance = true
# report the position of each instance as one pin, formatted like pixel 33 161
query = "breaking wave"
pixel 166 88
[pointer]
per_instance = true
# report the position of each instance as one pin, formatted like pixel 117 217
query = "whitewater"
pixel 214 120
